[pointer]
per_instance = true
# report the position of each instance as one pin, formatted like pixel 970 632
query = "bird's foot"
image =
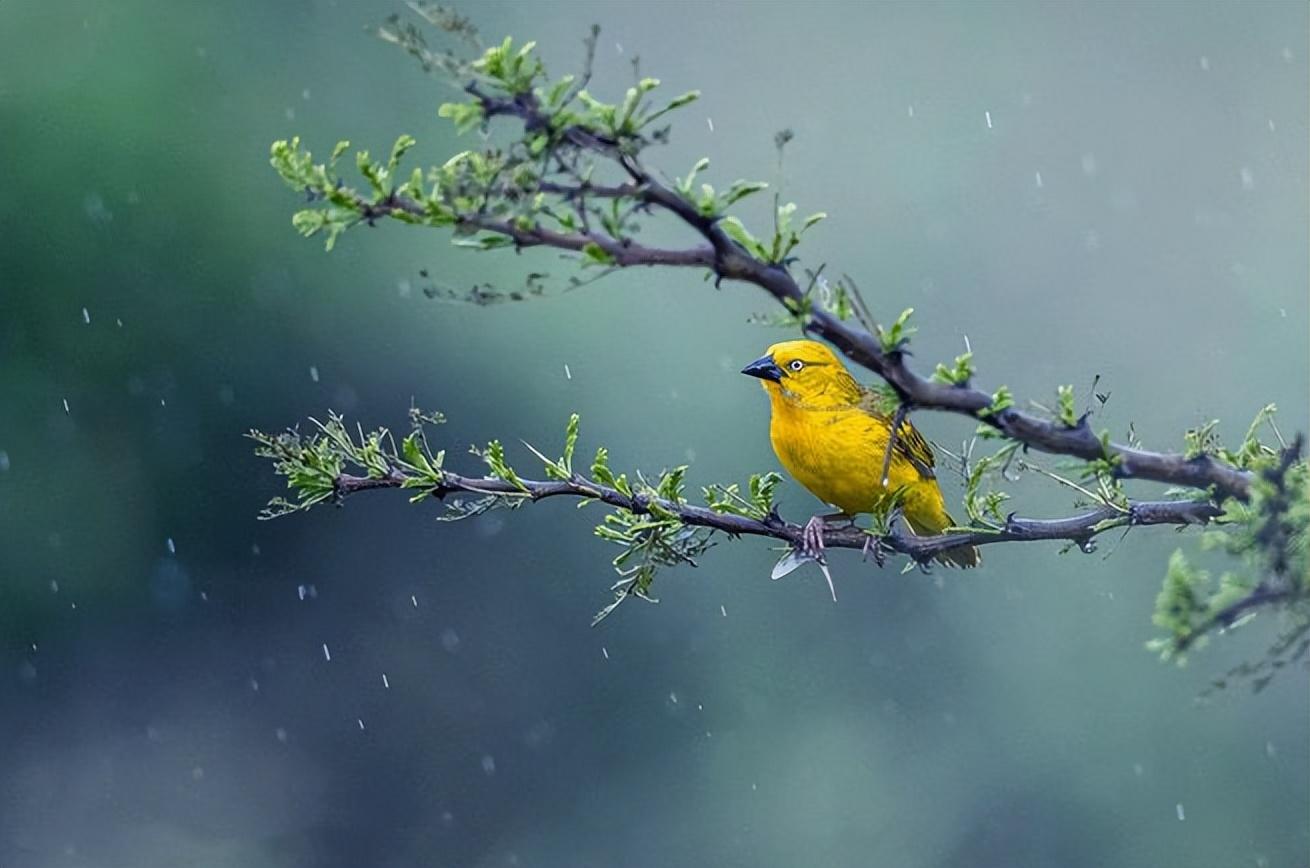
pixel 812 543
pixel 873 546
pixel 812 538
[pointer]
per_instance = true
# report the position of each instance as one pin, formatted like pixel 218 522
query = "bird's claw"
pixel 812 538
pixel 811 546
pixel 873 546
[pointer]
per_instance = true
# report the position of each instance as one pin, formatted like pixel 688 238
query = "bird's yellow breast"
pixel 837 454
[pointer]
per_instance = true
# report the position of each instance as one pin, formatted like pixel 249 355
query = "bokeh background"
pixel 1081 189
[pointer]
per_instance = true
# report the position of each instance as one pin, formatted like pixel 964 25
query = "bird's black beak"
pixel 764 368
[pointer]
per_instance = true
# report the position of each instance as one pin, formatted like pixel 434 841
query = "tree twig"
pixel 1079 529
pixel 728 260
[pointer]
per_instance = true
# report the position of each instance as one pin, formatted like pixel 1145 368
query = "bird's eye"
pixel 796 364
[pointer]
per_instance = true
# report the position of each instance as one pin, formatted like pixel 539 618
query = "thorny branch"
pixel 728 260
pixel 1078 529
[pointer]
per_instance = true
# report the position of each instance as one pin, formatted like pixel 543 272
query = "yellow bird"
pixel 828 432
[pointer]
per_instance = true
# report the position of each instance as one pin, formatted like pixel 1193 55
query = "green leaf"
pixel 412 449
pixel 1067 413
pixel 494 456
pixel 464 115
pixel 1002 399
pixel 893 340
pixel 484 242
pixel 958 374
pixel 570 442
pixel 556 93
pixel 739 233
pixel 593 253
pixel 684 184
pixel 676 103
pixel 398 150
pixel 812 219
pixel 740 190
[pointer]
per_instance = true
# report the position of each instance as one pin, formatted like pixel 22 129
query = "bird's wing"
pixel 910 444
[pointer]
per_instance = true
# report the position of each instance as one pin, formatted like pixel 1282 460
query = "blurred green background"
pixel 1136 208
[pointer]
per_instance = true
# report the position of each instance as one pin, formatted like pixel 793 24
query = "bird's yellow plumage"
pixel 830 435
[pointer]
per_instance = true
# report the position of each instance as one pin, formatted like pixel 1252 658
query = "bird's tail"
pixel 960 556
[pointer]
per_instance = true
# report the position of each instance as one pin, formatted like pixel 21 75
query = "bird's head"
pixel 806 372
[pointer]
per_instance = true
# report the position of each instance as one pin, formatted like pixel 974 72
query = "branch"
pixel 1079 529
pixel 729 260
pixel 624 253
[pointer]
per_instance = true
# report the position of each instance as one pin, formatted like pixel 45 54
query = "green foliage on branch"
pixel 545 180
pixel 1268 539
pixel 644 518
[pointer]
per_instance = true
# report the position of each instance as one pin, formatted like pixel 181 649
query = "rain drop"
pixel 1179 808
pixel 327 655
pixel 86 316
pixel 385 682
pixel 488 764
pixel 313 373
pixel 568 375
pixel 1038 177
pixel 4 461
pixel 988 116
